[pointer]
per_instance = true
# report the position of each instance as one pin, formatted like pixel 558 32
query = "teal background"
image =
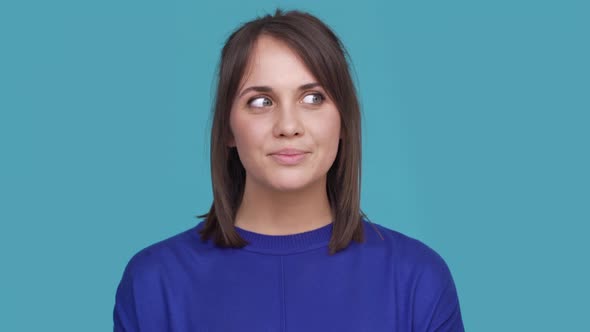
pixel 475 142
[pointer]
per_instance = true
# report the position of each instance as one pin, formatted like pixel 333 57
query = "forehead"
pixel 272 62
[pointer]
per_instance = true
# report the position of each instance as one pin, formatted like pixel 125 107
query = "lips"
pixel 285 159
pixel 289 152
pixel 289 156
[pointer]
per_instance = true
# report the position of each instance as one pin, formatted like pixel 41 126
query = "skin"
pixel 283 199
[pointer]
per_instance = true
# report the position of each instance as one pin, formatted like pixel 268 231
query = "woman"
pixel 285 246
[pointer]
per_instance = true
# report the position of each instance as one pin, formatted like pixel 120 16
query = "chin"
pixel 290 185
pixel 286 187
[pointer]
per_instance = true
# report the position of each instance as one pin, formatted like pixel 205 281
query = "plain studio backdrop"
pixel 475 141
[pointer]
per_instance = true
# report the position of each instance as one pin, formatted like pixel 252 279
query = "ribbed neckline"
pixel 282 244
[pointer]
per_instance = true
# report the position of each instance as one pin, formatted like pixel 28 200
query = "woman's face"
pixel 279 107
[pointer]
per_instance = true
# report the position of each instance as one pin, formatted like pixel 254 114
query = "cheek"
pixel 335 130
pixel 239 128
pixel 329 130
pixel 248 137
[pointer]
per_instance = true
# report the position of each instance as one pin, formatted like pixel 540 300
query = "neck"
pixel 273 212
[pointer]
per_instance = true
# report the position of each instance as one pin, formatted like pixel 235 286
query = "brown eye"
pixel 258 102
pixel 314 98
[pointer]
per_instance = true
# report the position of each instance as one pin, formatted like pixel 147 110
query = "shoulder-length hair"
pixel 326 58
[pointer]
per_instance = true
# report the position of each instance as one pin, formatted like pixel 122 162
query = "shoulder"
pixel 160 256
pixel 141 296
pixel 410 255
pixel 427 283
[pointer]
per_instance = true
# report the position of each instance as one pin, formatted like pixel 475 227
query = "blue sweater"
pixel 391 282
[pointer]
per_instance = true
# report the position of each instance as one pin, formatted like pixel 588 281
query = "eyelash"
pixel 323 98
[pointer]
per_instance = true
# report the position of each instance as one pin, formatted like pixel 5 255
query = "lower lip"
pixel 285 159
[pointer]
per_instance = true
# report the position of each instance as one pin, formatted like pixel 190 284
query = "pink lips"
pixel 289 156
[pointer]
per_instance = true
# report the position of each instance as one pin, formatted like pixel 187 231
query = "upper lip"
pixel 289 151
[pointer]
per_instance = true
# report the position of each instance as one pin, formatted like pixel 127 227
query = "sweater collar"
pixel 285 244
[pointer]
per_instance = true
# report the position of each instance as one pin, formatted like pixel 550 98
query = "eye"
pixel 314 98
pixel 258 102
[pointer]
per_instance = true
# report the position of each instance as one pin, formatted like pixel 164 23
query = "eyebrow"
pixel 269 89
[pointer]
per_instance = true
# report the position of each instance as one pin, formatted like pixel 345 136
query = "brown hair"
pixel 325 56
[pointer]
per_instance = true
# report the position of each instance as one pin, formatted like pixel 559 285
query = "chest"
pixel 288 293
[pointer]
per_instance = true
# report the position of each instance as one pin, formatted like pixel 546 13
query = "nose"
pixel 287 122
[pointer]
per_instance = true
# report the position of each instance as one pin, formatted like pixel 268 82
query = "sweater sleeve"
pixel 140 303
pixel 436 303
pixel 446 314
